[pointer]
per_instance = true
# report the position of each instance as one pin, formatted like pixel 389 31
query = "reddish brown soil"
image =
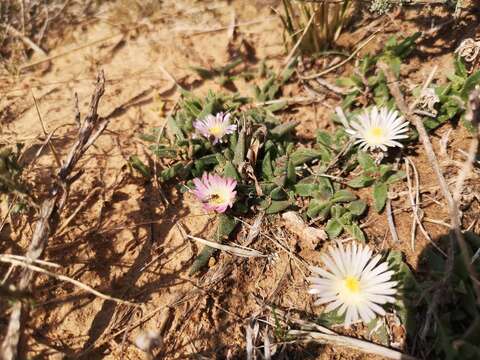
pixel 124 241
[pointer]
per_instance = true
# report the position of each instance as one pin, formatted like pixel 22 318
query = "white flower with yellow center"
pixel 378 129
pixel 354 283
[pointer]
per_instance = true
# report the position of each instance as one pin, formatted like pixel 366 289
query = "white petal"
pixel 332 306
pixel 325 300
pixel 380 299
pixel 323 273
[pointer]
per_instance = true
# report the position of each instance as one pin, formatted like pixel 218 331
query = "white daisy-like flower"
pixel 215 127
pixel 353 282
pixel 378 129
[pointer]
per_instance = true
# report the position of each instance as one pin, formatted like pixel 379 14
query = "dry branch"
pixel 26 263
pixel 89 130
pixel 310 331
pixel 352 343
pixel 473 116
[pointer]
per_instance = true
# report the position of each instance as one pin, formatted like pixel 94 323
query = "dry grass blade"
pixel 52 148
pixel 415 203
pixel 27 260
pixel 77 210
pixel 391 221
pixel 352 343
pixel 23 263
pixel 299 41
pixel 313 331
pixel 235 250
pixel 14 32
pixel 254 229
pixel 340 64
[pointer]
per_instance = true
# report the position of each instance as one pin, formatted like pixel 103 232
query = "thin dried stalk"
pixel 89 130
pixel 25 264
pixel 455 233
pixel 352 343
pixel 235 250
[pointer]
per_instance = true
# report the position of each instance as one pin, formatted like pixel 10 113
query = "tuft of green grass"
pixel 315 25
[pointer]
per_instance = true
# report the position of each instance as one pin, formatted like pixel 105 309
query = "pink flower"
pixel 214 127
pixel 215 192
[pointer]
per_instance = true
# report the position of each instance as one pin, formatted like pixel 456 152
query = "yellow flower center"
pixel 216 131
pixel 218 198
pixel 376 134
pixel 352 285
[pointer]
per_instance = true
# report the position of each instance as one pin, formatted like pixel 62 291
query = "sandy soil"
pixel 124 240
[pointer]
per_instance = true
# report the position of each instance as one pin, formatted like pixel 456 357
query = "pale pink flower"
pixel 214 127
pixel 215 192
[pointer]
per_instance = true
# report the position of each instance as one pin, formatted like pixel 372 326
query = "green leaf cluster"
pixel 377 176
pixel 223 74
pixel 10 171
pixel 453 96
pixel 368 79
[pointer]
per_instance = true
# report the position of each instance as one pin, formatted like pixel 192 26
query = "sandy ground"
pixel 124 240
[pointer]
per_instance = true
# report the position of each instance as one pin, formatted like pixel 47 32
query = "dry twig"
pixel 25 263
pixel 322 334
pixel 89 130
pixel 455 233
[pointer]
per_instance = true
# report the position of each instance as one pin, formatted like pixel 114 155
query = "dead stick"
pixel 14 32
pixel 38 269
pixel 454 213
pixel 45 224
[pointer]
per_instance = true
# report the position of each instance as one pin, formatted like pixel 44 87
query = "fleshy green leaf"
pixel 273 206
pixel 460 68
pixel 239 153
pixel 140 166
pixel 398 175
pixel 380 194
pixel 305 189
pixel 343 196
pixel 304 155
pixel 333 228
pixel 470 84
pixel 331 318
pixel 320 209
pixel 174 130
pixel 226 225
pixel 356 207
pixel 360 182
pixel 355 231
pixel 337 211
pixel 283 129
pixel 291 175
pixel 229 170
pixel 278 194
pixel 380 333
pixel 366 161
pixel 267 169
pixel 324 138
